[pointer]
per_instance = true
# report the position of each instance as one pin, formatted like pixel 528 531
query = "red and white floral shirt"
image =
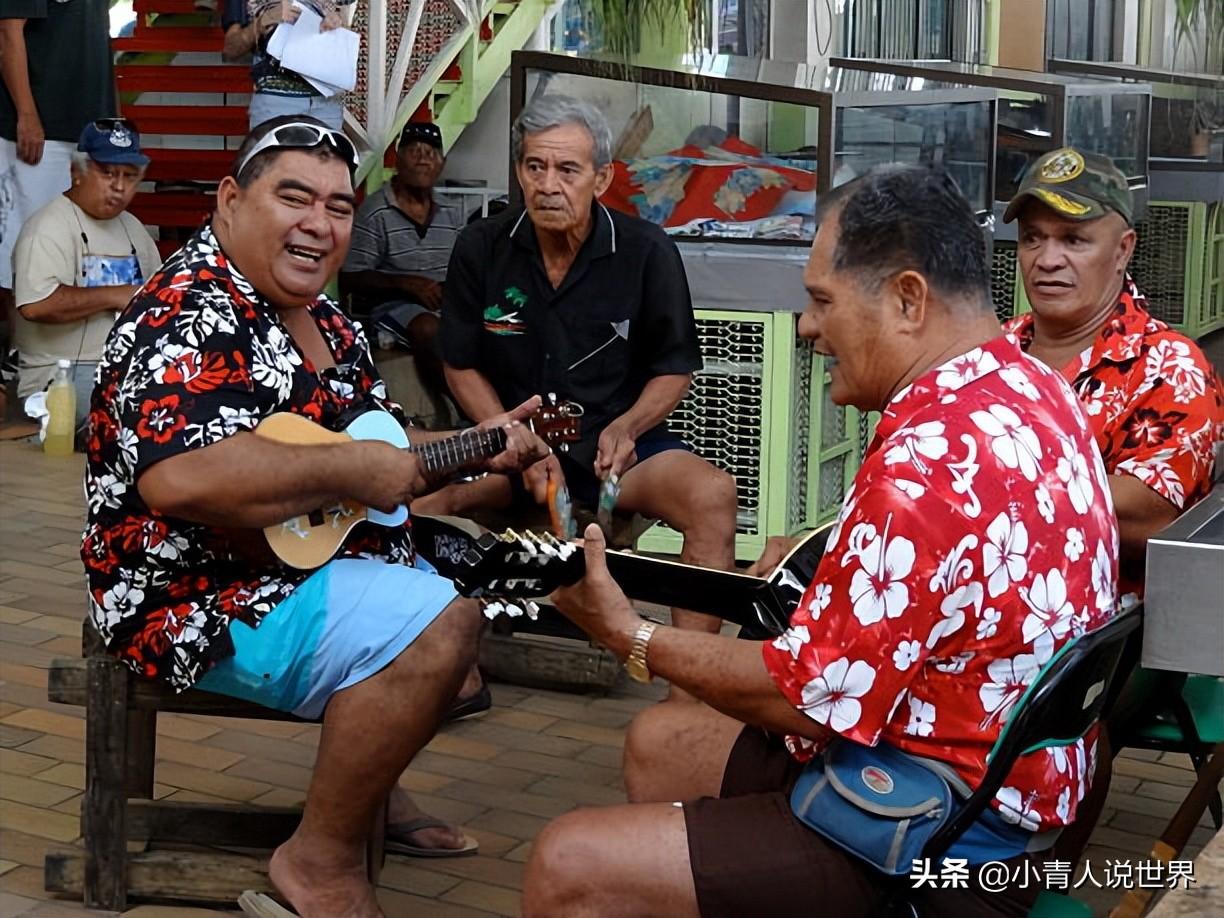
pixel 1154 402
pixel 977 539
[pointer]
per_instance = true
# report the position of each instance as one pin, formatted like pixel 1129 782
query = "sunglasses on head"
pixel 302 135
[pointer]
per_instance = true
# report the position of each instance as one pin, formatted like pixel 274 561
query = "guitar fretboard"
pixel 454 453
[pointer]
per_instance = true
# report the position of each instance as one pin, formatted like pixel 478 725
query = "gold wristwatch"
pixel 635 663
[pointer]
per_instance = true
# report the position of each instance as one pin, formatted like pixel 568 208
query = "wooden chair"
pixel 118 809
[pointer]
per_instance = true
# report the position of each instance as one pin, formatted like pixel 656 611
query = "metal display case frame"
pixel 1173 178
pixel 767 80
pixel 1060 89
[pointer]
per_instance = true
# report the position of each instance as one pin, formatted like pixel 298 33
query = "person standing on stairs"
pixel 248 24
pixel 46 98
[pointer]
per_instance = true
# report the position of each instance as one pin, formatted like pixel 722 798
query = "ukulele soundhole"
pixel 316 518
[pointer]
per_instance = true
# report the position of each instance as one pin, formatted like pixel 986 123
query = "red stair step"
pixel 212 120
pixel 166 6
pixel 169 165
pixel 172 38
pixel 172 208
pixel 169 78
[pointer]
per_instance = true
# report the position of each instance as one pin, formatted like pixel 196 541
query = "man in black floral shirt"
pixel 233 328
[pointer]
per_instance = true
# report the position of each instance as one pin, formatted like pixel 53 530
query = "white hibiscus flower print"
pixel 1063 808
pixel 792 640
pixel 1155 472
pixel 104 491
pixel 906 654
pixel 1005 554
pixel 953 665
pixel 914 445
pixel 1074 547
pixel 832 698
pixel 822 595
pixel 1017 809
pixel 988 624
pixel 1172 362
pixel 1017 380
pixel 878 587
pixel 1049 609
pixel 921 719
pixel 119 600
pixel 235 419
pixel 1045 503
pixel 966 368
pixel 955 578
pixel 1013 442
pixel 1008 680
pixel 1104 576
pixel 1072 469
pixel 910 489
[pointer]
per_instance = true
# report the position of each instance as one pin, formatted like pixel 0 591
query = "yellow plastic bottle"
pixel 61 408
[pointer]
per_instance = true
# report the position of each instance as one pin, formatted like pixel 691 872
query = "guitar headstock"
pixel 506 570
pixel 558 422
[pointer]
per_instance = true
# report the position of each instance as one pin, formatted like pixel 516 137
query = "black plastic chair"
pixel 1062 703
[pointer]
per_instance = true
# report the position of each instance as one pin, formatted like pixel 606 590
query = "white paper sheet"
pixel 328 57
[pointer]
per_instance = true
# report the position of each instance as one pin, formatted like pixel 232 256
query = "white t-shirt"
pixel 61 244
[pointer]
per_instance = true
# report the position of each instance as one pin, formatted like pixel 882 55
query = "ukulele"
pixel 507 570
pixel 312 539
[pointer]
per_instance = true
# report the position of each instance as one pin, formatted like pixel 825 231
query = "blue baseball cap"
pixel 112 141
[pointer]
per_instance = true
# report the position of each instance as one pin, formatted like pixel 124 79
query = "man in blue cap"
pixel 79 259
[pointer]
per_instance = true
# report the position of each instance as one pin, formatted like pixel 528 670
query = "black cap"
pixel 423 132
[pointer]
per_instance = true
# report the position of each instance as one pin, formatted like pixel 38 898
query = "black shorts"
pixel 750 855
pixel 578 465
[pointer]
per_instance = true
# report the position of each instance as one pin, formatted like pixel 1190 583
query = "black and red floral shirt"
pixel 198 356
pixel 1153 400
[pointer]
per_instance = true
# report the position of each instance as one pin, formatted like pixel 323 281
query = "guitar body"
pixel 310 540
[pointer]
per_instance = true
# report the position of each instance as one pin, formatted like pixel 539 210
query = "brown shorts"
pixel 751 857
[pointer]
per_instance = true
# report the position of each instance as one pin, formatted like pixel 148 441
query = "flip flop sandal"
pixel 398 832
pixel 258 905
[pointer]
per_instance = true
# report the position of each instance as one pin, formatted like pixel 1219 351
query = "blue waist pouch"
pixel 876 802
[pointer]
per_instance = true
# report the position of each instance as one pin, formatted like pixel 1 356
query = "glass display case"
pixel 1187 139
pixel 734 148
pixel 1039 112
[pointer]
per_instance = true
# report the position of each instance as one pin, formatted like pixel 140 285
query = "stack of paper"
pixel 328 60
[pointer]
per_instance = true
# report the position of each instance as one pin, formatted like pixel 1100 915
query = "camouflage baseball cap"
pixel 1075 185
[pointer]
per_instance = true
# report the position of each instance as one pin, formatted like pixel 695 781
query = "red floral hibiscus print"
pixel 1149 427
pixel 160 419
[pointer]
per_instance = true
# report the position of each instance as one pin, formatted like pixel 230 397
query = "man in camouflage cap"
pixel 1075 185
pixel 1153 400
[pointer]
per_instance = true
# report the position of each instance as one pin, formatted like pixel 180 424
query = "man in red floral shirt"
pixel 1154 402
pixel 977 539
pixel 232 329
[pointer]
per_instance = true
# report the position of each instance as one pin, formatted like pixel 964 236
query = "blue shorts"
pixel 350 619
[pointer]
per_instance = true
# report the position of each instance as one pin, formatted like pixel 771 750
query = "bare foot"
pixel 321 890
pixel 402 809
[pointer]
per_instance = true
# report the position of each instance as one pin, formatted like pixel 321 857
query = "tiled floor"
pixel 537 754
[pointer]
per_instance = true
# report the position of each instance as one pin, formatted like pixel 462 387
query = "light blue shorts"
pixel 344 624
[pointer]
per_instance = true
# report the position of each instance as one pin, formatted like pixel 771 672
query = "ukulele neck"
pixel 442 457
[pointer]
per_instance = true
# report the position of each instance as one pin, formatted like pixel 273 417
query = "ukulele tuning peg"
pixel 512 610
pixel 533 610
pixel 493 608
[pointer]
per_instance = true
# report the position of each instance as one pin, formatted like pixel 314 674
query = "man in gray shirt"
pixel 402 241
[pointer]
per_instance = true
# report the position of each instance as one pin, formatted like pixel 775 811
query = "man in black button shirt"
pixel 569 297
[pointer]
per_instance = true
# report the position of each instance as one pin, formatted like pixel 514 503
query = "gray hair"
pixel 554 110
pixel 80 162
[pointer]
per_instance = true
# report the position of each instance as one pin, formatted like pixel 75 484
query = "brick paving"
pixel 536 755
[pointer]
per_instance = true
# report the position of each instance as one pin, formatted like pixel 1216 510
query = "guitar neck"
pixel 726 594
pixel 442 457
